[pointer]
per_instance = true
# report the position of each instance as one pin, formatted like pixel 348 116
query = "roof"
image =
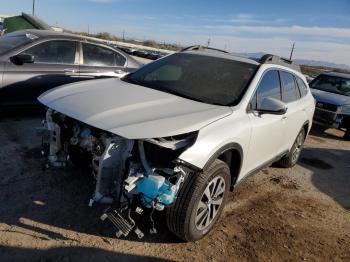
pixel 207 51
pixel 336 74
pixel 60 35
pixel 266 59
pixel 277 60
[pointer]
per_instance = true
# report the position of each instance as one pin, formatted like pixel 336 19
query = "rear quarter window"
pixel 302 87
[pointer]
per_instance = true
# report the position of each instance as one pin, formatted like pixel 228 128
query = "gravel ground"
pixel 294 214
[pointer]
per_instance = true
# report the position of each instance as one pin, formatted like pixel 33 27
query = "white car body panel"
pixel 131 111
pixel 136 112
pixel 261 137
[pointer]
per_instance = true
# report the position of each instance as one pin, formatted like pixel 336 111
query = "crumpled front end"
pixel 132 176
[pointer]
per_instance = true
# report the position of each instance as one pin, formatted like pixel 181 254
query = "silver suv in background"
pixel 332 94
pixel 179 133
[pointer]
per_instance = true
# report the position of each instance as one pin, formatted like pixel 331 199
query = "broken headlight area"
pixel 131 175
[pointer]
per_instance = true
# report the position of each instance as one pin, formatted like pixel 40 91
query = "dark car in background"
pixel 332 94
pixel 34 61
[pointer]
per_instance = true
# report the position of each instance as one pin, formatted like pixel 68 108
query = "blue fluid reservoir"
pixel 155 187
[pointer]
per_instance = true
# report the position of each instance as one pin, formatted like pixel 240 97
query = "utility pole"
pixel 33 11
pixel 88 29
pixel 291 51
pixel 208 43
pixel 123 35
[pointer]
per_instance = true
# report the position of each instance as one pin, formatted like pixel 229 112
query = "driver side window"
pixel 53 52
pixel 269 86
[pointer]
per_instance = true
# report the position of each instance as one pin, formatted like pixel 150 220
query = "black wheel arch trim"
pixel 307 122
pixel 222 150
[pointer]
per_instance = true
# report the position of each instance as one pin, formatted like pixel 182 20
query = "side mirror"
pixel 273 106
pixel 23 58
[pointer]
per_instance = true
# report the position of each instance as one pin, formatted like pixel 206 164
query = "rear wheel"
pixel 200 202
pixel 292 157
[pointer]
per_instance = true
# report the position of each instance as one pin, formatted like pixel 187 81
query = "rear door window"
pixel 290 92
pixel 94 55
pixel 53 52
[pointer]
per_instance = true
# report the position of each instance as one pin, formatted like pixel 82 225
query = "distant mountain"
pixel 321 63
pixel 302 61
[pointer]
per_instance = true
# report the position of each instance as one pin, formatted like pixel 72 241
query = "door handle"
pixel 118 71
pixel 284 117
pixel 69 70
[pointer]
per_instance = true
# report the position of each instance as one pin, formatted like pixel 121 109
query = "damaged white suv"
pixel 179 133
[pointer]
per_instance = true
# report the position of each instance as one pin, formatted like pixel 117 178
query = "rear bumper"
pixel 331 119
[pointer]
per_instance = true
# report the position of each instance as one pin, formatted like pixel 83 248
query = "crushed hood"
pixel 129 110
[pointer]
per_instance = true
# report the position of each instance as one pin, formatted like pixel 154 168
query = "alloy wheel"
pixel 210 203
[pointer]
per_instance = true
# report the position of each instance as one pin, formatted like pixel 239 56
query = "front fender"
pixel 227 133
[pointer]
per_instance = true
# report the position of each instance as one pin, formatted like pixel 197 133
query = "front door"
pixel 267 129
pixel 55 64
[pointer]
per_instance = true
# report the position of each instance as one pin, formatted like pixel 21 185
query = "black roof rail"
pixel 277 60
pixel 201 48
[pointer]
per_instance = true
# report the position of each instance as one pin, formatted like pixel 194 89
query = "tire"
pixel 293 156
pixel 186 219
pixel 347 134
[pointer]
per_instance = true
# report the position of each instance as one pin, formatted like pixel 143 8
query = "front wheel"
pixel 292 157
pixel 200 202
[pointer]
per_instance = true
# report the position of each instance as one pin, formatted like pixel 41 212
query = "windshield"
pixel 207 79
pixel 332 84
pixel 13 40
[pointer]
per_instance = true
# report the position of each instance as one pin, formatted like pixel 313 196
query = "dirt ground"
pixel 294 214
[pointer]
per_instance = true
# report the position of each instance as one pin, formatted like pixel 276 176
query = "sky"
pixel 320 29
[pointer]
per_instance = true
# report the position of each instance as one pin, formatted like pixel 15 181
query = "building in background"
pixel 23 21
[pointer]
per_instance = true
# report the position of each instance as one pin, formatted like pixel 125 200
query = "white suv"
pixel 179 133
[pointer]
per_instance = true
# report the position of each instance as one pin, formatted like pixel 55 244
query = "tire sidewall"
pixel 294 146
pixel 223 171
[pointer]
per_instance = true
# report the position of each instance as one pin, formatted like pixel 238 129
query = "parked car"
pixel 180 133
pixel 127 50
pixel 154 55
pixel 332 94
pixel 34 61
pixel 309 78
pixel 141 53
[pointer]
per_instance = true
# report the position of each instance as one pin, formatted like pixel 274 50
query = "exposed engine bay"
pixel 131 175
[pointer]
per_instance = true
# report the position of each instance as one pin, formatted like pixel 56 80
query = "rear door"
pixel 295 115
pixel 55 64
pixel 267 129
pixel 99 61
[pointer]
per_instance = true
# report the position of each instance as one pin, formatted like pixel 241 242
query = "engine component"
pixel 143 159
pixel 57 157
pixel 155 190
pixel 123 177
pixel 123 224
pixel 110 168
